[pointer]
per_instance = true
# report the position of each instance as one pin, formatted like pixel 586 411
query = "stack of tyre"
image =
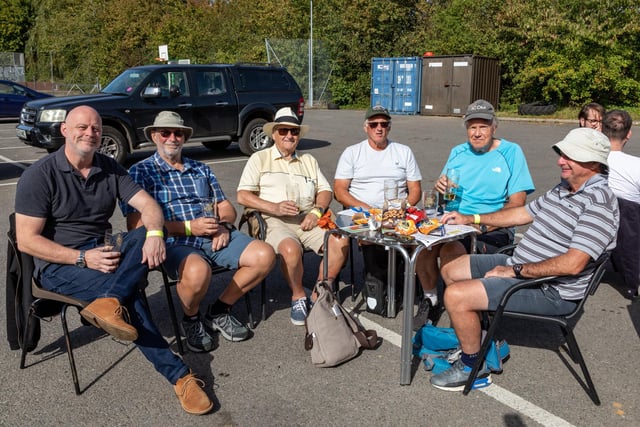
pixel 538 108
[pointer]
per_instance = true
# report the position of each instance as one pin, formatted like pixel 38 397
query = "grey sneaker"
pixel 422 315
pixel 299 311
pixel 455 378
pixel 198 340
pixel 229 327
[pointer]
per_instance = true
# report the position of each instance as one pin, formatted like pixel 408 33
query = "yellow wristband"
pixel 476 219
pixel 187 228
pixel 155 233
pixel 316 212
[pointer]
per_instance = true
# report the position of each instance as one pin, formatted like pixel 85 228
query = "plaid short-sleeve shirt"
pixel 178 192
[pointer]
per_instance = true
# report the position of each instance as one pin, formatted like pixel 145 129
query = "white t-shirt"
pixel 624 175
pixel 368 169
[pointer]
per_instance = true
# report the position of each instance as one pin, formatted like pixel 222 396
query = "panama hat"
pixel 285 116
pixel 168 120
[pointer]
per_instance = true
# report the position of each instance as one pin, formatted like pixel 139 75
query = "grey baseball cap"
pixel 480 109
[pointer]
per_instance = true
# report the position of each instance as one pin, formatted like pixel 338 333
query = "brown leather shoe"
pixel 191 395
pixel 107 314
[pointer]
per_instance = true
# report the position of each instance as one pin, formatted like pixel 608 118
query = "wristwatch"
pixel 483 228
pixel 517 269
pixel 321 209
pixel 228 226
pixel 80 262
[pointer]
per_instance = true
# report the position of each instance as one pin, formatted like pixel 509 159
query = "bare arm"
pixel 414 190
pixel 569 264
pixel 251 200
pixel 153 251
pixel 346 199
pixel 31 241
pixel 508 217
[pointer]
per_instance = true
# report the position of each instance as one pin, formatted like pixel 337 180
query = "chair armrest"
pixel 255 216
pixel 528 283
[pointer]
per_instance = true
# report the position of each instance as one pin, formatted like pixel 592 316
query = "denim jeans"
pixel 124 284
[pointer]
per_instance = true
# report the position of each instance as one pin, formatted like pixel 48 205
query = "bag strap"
pixel 367 338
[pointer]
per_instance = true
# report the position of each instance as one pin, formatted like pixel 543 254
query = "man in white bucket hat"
pixel 571 226
pixel 292 225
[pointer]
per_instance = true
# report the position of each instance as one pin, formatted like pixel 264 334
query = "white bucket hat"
pixel 585 145
pixel 285 116
pixel 168 120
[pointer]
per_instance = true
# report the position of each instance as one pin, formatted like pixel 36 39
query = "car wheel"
pixel 113 144
pixel 253 138
pixel 217 145
pixel 52 150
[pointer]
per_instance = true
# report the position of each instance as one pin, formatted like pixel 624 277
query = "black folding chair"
pixel 566 323
pixel 33 303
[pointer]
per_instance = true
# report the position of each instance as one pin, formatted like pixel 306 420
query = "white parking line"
pixel 500 394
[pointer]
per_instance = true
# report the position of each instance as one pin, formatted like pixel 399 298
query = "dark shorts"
pixel 543 300
pixel 489 243
pixel 227 257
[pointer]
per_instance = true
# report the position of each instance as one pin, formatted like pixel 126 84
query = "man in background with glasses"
pixel 292 225
pixel 199 219
pixel 360 177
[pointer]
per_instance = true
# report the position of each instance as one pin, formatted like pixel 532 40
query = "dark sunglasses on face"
pixel 374 125
pixel 285 131
pixel 166 133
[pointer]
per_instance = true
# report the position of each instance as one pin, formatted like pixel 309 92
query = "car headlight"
pixel 53 115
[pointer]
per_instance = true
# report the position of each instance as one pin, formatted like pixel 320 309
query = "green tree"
pixel 15 22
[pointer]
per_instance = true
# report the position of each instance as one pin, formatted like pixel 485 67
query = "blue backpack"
pixel 439 348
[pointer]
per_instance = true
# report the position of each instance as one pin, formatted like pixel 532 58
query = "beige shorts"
pixel 279 229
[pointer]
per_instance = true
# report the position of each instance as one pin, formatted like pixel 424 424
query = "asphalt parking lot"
pixel 269 380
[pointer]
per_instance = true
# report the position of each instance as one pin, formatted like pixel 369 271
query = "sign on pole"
pixel 163 52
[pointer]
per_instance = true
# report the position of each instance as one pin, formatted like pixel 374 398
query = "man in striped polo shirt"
pixel 571 226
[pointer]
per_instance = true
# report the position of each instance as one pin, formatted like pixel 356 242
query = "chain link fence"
pixel 294 55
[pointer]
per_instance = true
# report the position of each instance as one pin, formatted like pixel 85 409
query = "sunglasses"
pixel 374 125
pixel 167 133
pixel 285 131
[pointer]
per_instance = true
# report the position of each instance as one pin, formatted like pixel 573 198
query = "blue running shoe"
pixel 454 378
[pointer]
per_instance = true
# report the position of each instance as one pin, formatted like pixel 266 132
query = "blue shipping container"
pixel 396 84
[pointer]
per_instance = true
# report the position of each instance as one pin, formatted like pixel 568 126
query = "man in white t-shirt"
pixel 363 167
pixel 624 181
pixel 360 175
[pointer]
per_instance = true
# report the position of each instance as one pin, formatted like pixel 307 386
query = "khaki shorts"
pixel 279 229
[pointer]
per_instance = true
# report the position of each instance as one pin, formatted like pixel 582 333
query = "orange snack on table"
pixel 406 227
pixel 426 227
pixel 359 219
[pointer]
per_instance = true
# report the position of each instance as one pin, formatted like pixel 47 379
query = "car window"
pixel 5 88
pixel 126 82
pixel 261 80
pixel 210 83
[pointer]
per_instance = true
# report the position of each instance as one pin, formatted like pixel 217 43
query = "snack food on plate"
pixel 406 227
pixel 359 218
pixel 426 227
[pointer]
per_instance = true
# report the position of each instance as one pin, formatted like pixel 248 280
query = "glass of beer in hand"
pixel 453 180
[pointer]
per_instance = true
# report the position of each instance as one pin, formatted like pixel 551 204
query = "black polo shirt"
pixel 77 209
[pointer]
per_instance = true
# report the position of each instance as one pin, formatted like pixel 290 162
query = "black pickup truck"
pixel 222 102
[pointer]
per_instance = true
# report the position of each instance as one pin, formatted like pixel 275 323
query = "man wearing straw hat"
pixel 292 226
pixel 200 221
